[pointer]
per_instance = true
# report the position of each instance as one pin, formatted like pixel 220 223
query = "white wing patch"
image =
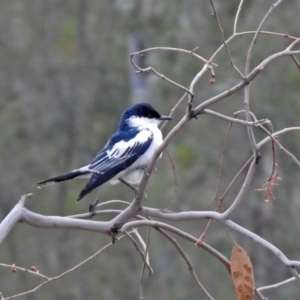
pixel 121 151
pixel 121 147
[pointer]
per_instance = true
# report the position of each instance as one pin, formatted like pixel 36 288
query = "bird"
pixel 126 155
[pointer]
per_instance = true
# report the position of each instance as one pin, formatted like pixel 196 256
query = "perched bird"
pixel 127 153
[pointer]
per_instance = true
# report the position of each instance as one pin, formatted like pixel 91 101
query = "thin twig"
pixel 223 39
pixel 187 260
pixel 112 202
pixel 296 62
pixel 233 120
pixel 173 110
pixel 175 199
pixel 146 246
pixel 262 32
pixel 247 88
pixel 284 35
pixel 241 195
pixel 237 16
pixel 143 70
pixel 235 178
pixel 250 50
pixel 140 251
pixel 192 52
pixel 276 285
pixel 64 273
pixel 221 166
pixel 32 270
pixel 251 114
pixel 219 201
pixel 281 147
pixel 293 44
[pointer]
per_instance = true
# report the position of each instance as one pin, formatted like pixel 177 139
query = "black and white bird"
pixel 127 153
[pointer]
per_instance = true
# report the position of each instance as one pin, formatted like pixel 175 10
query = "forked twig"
pixel 192 52
pixel 144 70
pixel 146 255
pixel 281 147
pixel 296 62
pixel 223 39
pixel 216 198
pixel 143 253
pixel 50 279
pixel 33 270
pixel 187 260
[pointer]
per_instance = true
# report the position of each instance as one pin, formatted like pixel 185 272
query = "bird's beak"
pixel 165 118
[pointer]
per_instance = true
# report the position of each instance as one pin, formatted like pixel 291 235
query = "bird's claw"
pixel 92 207
pixel 146 172
pixel 136 194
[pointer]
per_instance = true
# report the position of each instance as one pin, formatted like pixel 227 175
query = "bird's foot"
pixel 92 207
pixel 136 194
pixel 136 190
pixel 146 172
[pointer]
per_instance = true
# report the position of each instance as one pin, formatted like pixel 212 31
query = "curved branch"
pixel 237 16
pixel 199 109
pixel 243 190
pixel 233 120
pixel 192 52
pixel 276 285
pixel 180 233
pixel 20 214
pixel 41 221
pixel 223 39
pixel 218 217
pixel 13 217
pixel 187 260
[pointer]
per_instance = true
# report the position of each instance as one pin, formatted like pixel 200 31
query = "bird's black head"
pixel 144 112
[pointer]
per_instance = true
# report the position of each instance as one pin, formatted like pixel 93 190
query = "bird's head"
pixel 142 114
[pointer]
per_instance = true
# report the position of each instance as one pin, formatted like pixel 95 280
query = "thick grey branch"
pixel 20 214
pixel 12 218
pixel 41 221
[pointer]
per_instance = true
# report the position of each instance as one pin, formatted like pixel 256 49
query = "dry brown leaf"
pixel 242 273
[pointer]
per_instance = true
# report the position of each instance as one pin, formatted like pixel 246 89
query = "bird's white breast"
pixel 157 140
pixel 134 173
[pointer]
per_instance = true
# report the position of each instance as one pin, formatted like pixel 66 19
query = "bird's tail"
pixel 63 177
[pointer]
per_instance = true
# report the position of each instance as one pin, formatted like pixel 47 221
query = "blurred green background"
pixel 65 78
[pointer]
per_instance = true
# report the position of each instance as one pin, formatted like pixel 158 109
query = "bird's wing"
pixel 122 150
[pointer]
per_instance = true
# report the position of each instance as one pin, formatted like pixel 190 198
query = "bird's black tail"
pixel 63 177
